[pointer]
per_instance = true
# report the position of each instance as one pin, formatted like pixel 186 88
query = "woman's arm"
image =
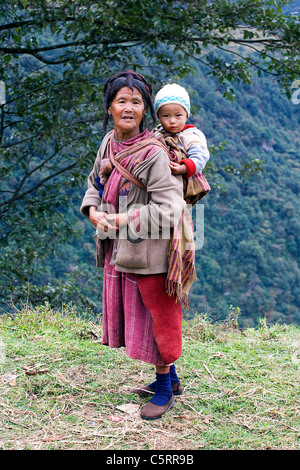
pixel 194 142
pixel 92 197
pixel 166 201
pixel 165 205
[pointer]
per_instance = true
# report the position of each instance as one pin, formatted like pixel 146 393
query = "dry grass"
pixel 61 389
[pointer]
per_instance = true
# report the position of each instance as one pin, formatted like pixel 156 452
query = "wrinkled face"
pixel 127 111
pixel 172 117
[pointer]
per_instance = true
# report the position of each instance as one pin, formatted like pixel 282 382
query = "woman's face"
pixel 127 111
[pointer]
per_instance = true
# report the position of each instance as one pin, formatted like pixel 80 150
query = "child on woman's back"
pixel 172 106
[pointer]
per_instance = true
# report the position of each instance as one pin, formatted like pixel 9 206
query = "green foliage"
pixel 251 251
pixel 54 61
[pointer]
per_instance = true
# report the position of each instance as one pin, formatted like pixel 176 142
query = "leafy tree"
pixel 55 57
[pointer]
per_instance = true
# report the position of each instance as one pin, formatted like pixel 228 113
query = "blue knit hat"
pixel 173 94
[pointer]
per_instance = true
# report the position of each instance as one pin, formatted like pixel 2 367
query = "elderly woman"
pixel 135 203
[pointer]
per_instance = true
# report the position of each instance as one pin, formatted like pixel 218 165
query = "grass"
pixel 61 389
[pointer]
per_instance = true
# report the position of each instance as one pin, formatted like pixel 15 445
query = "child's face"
pixel 172 117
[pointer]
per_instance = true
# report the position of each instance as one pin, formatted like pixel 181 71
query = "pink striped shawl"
pixel 181 273
pixel 115 183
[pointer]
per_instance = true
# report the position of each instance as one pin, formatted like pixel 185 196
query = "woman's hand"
pixel 99 220
pixel 96 217
pixel 119 220
pixel 107 224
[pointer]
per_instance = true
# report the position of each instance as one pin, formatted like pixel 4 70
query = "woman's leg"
pixel 162 369
pixel 163 387
pixel 163 398
pixel 150 389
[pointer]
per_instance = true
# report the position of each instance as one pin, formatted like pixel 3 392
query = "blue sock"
pixel 173 375
pixel 163 389
pixel 153 384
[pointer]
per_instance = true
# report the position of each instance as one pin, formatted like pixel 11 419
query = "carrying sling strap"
pixel 116 159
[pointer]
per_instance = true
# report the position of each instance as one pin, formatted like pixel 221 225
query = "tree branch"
pixel 6 204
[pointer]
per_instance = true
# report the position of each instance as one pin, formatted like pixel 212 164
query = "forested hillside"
pixel 54 60
pixel 251 251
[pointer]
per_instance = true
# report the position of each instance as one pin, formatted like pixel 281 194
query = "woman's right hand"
pixel 99 220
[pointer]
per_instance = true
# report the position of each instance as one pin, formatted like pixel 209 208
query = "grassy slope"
pixel 241 387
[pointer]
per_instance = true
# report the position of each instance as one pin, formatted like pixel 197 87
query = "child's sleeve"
pixel 195 146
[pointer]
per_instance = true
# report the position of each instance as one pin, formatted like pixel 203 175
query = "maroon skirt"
pixel 140 315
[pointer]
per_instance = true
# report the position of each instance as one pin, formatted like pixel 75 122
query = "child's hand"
pixel 178 169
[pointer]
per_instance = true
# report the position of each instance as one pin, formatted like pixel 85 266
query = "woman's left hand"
pixel 119 220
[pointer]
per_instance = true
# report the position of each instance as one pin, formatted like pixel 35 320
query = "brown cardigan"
pixel 160 209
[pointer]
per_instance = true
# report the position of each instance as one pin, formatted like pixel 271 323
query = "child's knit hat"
pixel 172 94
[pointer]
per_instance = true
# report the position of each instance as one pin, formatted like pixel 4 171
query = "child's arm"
pixel 194 142
pixel 186 167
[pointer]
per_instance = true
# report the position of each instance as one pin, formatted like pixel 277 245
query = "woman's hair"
pixel 131 80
